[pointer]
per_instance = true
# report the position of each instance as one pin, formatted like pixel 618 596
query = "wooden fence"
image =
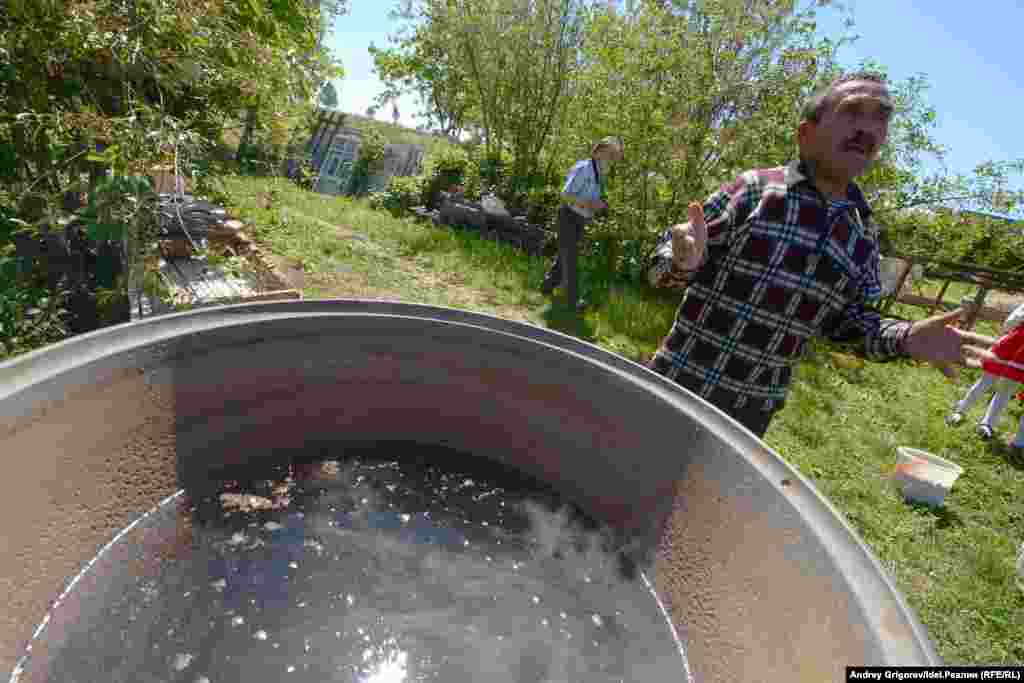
pixel 986 279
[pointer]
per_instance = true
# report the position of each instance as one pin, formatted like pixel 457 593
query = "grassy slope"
pixel 398 134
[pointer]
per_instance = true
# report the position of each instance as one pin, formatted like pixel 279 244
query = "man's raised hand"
pixel 935 340
pixel 690 239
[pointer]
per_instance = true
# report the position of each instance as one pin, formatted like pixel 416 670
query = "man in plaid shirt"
pixel 783 254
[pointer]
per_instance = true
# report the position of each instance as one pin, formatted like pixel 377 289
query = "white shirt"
pixel 583 183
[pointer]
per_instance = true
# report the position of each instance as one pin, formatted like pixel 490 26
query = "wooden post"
pixel 247 131
pixel 938 299
pixel 903 276
pixel 984 282
pixel 908 264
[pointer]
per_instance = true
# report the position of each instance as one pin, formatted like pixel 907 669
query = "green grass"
pixel 840 427
pixel 954 293
pixel 395 134
pixel 955 565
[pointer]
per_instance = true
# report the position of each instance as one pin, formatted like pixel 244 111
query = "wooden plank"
pixel 986 313
pixel 900 282
pixel 922 301
pixel 277 295
pixel 939 300
pixel 977 304
pixel 956 265
pixel 966 272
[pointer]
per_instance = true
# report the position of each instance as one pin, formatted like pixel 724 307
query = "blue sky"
pixel 970 52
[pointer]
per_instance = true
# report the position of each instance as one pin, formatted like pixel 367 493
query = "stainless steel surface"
pixel 761 577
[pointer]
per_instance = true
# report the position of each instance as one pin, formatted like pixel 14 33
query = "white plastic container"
pixel 925 478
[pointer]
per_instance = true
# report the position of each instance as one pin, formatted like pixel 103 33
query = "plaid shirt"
pixel 782 264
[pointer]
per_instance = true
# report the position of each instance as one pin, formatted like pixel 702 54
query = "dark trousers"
pixel 750 415
pixel 563 270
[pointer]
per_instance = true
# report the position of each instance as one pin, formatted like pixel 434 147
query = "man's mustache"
pixel 864 141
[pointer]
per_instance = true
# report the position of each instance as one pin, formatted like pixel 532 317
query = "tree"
pixel 969 218
pixel 95 94
pixel 420 61
pixel 941 214
pixel 701 92
pixel 520 55
pixel 698 91
pixel 328 96
pixel 500 66
pixel 296 27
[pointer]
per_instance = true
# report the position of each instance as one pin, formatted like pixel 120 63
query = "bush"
pixel 451 161
pixel 402 193
pixel 304 175
pixel 542 206
pixel 486 174
pixel 377 200
pixel 442 172
pixel 621 241
pixel 371 151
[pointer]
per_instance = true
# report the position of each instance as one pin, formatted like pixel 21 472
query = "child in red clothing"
pixel 1009 357
pixel 1003 367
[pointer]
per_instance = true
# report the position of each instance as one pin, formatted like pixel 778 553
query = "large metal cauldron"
pixel 761 577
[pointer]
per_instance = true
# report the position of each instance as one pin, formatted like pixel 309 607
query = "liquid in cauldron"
pixel 375 566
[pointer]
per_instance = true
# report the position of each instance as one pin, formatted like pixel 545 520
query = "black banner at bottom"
pixel 934 673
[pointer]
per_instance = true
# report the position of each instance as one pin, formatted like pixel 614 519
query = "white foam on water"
pixel 182 660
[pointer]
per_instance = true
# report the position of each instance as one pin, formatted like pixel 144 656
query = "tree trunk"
pixel 250 125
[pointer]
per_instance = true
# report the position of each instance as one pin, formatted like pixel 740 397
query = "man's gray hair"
pixel 612 141
pixel 819 102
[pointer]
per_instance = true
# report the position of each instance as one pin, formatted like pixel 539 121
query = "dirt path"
pixel 408 279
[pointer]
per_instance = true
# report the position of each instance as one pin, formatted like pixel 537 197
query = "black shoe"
pixel 984 431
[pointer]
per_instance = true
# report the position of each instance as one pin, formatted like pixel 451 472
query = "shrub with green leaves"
pixel 31 313
pixel 305 175
pixel 542 205
pixel 371 151
pixel 401 194
pixel 450 161
pixel 444 170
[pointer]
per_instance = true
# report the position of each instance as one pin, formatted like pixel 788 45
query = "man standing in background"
pixel 582 196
